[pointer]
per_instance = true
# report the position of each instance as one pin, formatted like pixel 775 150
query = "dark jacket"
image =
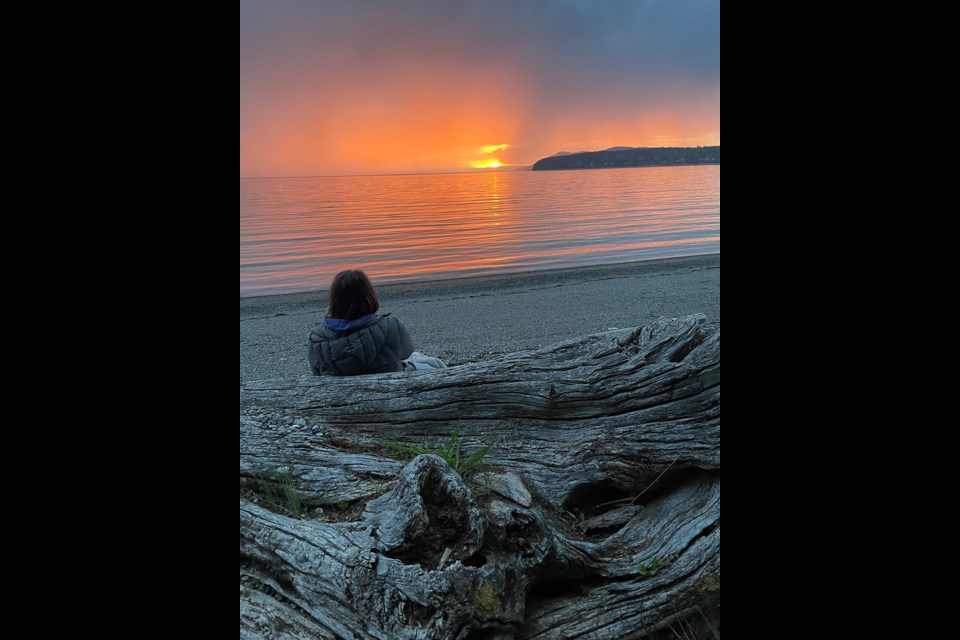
pixel 377 347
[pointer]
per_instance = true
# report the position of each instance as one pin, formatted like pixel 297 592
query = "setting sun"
pixel 370 88
pixel 486 164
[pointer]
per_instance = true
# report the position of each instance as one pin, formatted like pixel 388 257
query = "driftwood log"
pixel 595 513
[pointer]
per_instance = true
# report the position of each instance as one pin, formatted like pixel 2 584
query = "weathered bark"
pixel 577 431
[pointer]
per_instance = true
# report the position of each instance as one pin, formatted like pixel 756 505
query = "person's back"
pixel 370 344
pixel 353 339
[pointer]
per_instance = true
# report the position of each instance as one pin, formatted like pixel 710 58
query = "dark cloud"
pixel 649 37
pixel 618 59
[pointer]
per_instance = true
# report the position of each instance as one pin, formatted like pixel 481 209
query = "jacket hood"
pixel 338 324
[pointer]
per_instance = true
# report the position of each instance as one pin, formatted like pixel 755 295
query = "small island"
pixel 630 157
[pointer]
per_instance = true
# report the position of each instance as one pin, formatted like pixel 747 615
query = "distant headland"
pixel 629 157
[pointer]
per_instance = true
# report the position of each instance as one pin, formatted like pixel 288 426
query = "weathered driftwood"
pixel 577 432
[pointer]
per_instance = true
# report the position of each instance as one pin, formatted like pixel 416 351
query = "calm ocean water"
pixel 296 233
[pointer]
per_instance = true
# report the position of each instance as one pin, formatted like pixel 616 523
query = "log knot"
pixel 430 514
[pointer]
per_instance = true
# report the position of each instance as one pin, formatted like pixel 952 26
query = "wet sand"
pixel 468 319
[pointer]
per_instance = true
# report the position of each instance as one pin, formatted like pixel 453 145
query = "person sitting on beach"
pixel 354 339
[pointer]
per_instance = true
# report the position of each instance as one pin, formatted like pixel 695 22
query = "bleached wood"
pixel 570 427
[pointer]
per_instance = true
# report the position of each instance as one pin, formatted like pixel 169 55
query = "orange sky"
pixel 419 86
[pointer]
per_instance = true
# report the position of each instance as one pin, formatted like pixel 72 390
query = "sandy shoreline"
pixel 467 319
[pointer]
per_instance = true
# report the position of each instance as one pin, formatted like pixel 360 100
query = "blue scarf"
pixel 338 324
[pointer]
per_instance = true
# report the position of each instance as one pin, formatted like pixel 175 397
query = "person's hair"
pixel 351 296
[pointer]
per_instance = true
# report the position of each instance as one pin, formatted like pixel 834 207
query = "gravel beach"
pixel 468 319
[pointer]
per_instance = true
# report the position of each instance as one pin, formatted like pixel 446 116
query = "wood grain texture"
pixel 581 429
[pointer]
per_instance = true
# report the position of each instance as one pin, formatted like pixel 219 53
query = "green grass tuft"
pixel 651 568
pixel 453 455
pixel 279 492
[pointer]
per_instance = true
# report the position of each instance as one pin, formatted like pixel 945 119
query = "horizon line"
pixel 520 167
pixel 502 169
